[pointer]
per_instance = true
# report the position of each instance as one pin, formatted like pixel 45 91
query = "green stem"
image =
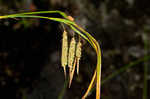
pixel 145 81
pixel 124 68
pixel 145 84
pixel 42 12
pixel 61 95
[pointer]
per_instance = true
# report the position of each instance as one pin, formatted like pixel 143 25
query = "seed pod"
pixel 71 53
pixel 78 54
pixel 64 56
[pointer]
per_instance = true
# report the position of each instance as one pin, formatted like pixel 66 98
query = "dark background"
pixel 30 49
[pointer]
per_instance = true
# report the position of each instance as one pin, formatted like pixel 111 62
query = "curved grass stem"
pixel 77 29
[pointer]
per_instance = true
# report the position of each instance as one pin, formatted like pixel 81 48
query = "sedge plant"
pixel 70 60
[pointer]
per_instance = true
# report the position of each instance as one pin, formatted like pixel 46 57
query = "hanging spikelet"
pixel 64 51
pixel 78 54
pixel 71 59
pixel 71 53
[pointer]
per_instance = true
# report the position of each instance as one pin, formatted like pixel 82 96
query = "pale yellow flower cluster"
pixel 70 55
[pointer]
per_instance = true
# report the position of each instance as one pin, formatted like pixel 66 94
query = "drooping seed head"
pixel 78 54
pixel 71 52
pixel 64 56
